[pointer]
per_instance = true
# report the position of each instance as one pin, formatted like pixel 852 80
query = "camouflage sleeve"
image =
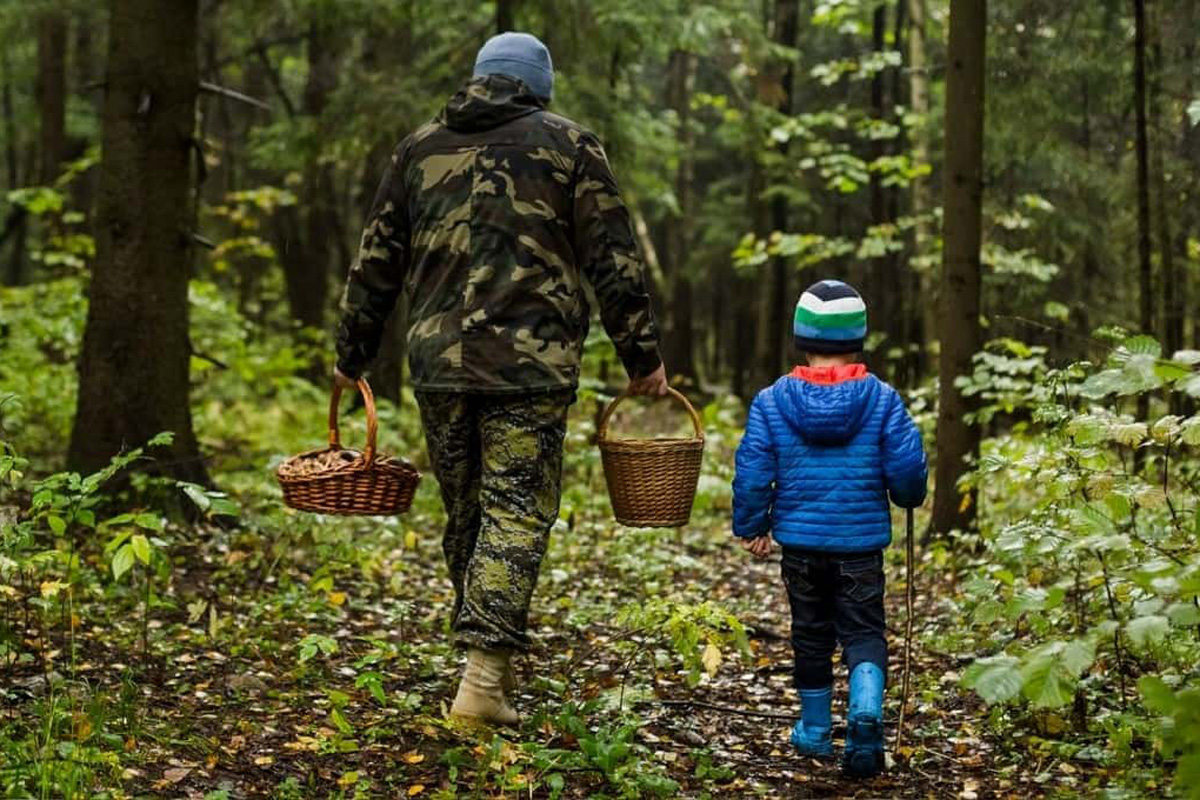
pixel 376 277
pixel 608 256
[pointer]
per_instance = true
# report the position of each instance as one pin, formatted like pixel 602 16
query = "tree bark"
pixel 52 93
pixel 787 31
pixel 1145 268
pixel 922 326
pixel 506 11
pixel 1172 311
pixel 309 229
pixel 959 329
pixel 133 380
pixel 680 344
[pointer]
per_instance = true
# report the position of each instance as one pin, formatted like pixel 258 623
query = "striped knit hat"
pixel 831 318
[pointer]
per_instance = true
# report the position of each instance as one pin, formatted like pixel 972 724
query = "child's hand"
pixel 759 547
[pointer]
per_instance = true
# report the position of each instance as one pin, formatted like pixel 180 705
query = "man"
pixel 489 218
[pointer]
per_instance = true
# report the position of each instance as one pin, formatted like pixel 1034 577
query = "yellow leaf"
pixel 8 590
pixel 348 779
pixel 711 659
pixel 263 761
pixel 51 588
pixel 337 598
pixel 416 789
pixel 413 757
pixel 410 541
pixel 965 504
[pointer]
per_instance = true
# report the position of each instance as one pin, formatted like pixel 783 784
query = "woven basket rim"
pixel 676 443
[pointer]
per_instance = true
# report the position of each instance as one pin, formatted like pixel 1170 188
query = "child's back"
pixel 824 449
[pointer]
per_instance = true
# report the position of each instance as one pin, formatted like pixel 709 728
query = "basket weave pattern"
pixel 335 480
pixel 652 482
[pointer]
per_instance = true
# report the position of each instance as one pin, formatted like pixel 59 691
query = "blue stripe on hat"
pixel 840 334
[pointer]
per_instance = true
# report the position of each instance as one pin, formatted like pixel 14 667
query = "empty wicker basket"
pixel 339 481
pixel 652 482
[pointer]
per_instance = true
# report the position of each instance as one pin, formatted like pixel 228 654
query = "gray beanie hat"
pixel 521 56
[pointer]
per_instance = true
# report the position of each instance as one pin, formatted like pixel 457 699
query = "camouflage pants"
pixel 498 460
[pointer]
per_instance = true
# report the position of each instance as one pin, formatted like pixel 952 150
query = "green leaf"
pixel 163 439
pixel 1143 346
pixel 340 721
pixel 197 495
pixel 1158 696
pixel 122 561
pixel 996 679
pixel 1047 680
pixel 1147 630
pixel 141 548
pixel 57 524
pixel 150 522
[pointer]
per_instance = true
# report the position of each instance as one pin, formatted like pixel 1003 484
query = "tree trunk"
pixel 1189 144
pixel 922 326
pixel 309 229
pixel 52 93
pixel 680 345
pixel 16 221
pixel 787 30
pixel 506 11
pixel 959 329
pixel 1173 313
pixel 1145 269
pixel 133 371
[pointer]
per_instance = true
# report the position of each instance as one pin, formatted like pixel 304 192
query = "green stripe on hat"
pixel 847 319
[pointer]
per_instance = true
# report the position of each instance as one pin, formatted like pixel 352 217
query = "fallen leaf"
pixel 416 789
pixel 263 761
pixel 413 757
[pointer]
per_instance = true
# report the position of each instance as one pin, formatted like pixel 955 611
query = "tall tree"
pixel 680 340
pixel 310 228
pixel 1142 146
pixel 133 371
pixel 922 324
pixel 787 29
pixel 958 318
pixel 52 92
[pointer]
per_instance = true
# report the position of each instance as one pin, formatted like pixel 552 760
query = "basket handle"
pixel 602 434
pixel 368 397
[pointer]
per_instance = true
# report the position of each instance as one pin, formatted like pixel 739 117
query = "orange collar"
pixel 828 376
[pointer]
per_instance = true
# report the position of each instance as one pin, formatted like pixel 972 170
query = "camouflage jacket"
pixel 488 219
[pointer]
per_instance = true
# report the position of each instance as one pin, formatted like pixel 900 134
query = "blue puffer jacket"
pixel 823 449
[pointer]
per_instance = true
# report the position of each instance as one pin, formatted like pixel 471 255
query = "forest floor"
pixel 221 708
pixel 296 657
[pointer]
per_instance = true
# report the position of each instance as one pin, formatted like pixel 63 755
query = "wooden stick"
pixel 908 630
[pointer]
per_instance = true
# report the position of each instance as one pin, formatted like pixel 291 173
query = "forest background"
pixel 1011 185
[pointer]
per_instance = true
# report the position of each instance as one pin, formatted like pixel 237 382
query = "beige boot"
pixel 480 693
pixel 508 681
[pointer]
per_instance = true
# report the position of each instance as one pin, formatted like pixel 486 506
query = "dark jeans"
pixel 835 597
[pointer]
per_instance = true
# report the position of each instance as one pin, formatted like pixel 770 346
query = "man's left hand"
pixel 653 385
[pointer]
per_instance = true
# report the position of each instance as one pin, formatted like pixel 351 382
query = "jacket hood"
pixel 489 101
pixel 823 413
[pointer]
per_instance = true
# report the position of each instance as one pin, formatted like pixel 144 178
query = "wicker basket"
pixel 339 481
pixel 652 482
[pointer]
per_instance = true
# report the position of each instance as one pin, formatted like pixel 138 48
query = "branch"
pixel 232 94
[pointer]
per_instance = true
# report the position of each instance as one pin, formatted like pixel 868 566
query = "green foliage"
pixel 1091 561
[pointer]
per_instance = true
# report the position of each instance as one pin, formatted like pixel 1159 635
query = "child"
pixel 824 447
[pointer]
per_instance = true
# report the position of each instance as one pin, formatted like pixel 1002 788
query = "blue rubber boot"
pixel 811 736
pixel 864 723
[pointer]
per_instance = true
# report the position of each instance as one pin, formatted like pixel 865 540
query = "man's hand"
pixel 344 382
pixel 653 385
pixel 759 547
